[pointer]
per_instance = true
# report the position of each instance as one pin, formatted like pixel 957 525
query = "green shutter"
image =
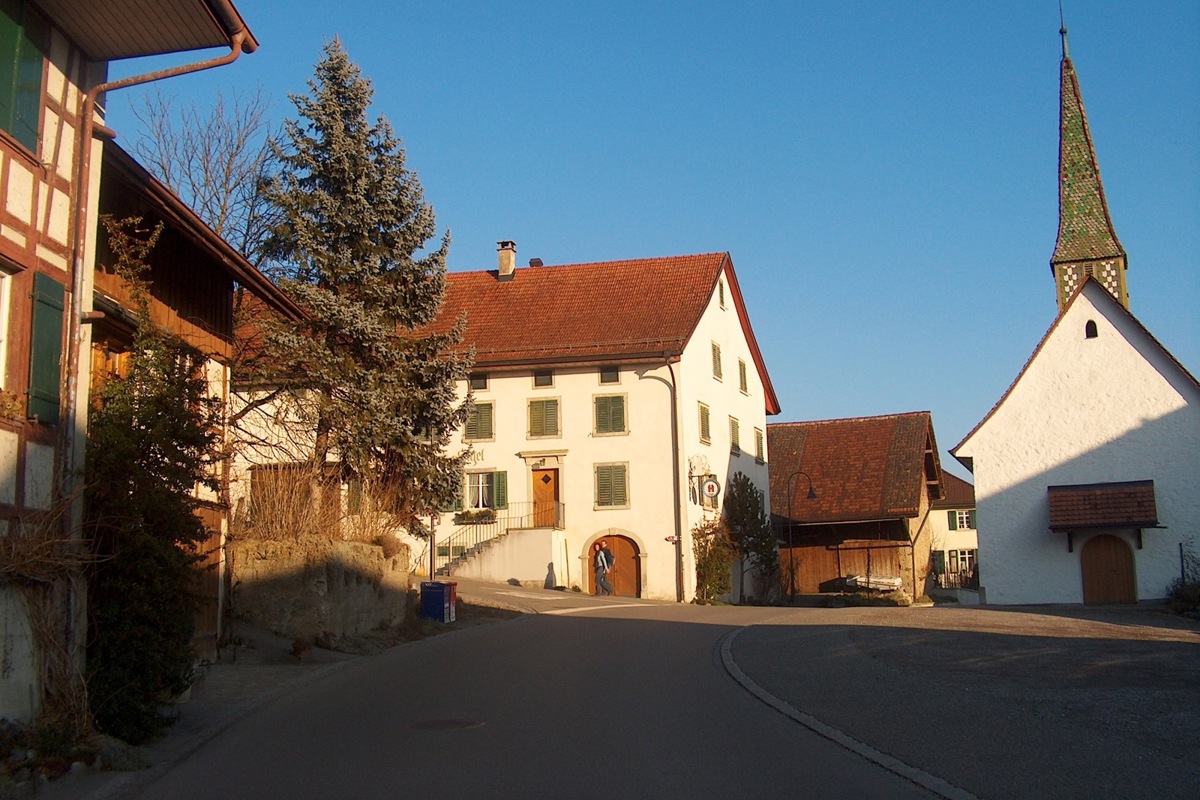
pixel 543 418
pixel 479 422
pixel 971 519
pixel 500 490
pixel 716 359
pixel 611 485
pixel 610 415
pixel 620 497
pixel 22 37
pixel 705 432
pixel 46 346
pixel 952 518
pixel 939 562
pixel 537 417
pixel 603 486
pixel 742 382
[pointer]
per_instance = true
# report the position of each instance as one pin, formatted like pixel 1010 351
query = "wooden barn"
pixel 851 501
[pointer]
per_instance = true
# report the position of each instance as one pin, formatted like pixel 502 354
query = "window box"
pixel 482 516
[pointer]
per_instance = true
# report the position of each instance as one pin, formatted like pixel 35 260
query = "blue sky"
pixel 884 174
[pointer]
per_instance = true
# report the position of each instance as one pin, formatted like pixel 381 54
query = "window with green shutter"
pixel 543 417
pixel 705 427
pixel 610 414
pixel 716 359
pixel 612 485
pixel 743 384
pixel 479 425
pixel 735 435
pixel 485 490
pixel 22 43
pixel 759 446
pixel 46 346
pixel 610 375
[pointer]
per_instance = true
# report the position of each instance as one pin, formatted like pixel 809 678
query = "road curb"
pixel 925 780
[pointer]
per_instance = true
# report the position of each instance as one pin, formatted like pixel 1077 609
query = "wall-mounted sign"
pixel 710 486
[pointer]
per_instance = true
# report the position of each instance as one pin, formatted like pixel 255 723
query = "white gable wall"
pixel 724 398
pixel 1107 409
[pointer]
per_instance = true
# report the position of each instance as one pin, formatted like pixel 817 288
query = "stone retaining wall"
pixel 316 589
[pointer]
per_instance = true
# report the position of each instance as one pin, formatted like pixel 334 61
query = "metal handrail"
pixel 468 536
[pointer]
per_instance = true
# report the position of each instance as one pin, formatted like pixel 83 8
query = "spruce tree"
pixel 377 388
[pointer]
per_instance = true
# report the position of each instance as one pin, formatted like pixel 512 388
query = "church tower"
pixel 1087 244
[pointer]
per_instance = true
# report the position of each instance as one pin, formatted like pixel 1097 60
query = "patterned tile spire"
pixel 1087 243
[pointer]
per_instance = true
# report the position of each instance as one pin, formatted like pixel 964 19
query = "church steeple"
pixel 1087 243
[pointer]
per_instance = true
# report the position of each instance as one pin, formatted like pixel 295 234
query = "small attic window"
pixel 1089 330
pixel 721 292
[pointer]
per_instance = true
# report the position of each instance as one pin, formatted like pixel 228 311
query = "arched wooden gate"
pixel 1106 563
pixel 626 575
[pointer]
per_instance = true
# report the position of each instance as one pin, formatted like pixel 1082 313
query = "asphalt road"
pixel 617 700
pixel 610 697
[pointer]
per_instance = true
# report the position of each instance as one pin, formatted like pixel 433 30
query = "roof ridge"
pixel 894 415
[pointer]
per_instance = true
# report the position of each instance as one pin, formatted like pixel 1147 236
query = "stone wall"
pixel 321 590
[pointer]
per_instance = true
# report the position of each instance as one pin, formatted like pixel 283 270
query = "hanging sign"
pixel 710 486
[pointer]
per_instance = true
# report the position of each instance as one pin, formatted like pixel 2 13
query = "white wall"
pixel 20 695
pixel 724 399
pixel 646 448
pixel 1112 408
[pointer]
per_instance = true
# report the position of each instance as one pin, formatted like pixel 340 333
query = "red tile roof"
pixel 958 493
pixel 642 308
pixel 1103 505
pixel 866 468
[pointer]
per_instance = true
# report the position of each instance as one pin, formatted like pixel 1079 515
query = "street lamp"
pixel 812 495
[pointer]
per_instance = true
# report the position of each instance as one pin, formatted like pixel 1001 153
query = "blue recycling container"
pixel 438 600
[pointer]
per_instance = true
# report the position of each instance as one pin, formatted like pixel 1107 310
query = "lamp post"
pixel 812 495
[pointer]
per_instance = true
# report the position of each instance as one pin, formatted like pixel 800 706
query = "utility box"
pixel 438 600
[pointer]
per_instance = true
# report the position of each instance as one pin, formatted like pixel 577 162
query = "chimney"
pixel 508 259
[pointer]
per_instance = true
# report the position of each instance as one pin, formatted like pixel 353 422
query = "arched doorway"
pixel 626 574
pixel 1107 566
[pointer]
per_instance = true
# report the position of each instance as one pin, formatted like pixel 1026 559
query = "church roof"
pixel 1085 229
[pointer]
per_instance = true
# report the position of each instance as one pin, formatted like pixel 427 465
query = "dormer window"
pixel 1089 330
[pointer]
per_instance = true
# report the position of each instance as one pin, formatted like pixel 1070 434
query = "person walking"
pixel 602 561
